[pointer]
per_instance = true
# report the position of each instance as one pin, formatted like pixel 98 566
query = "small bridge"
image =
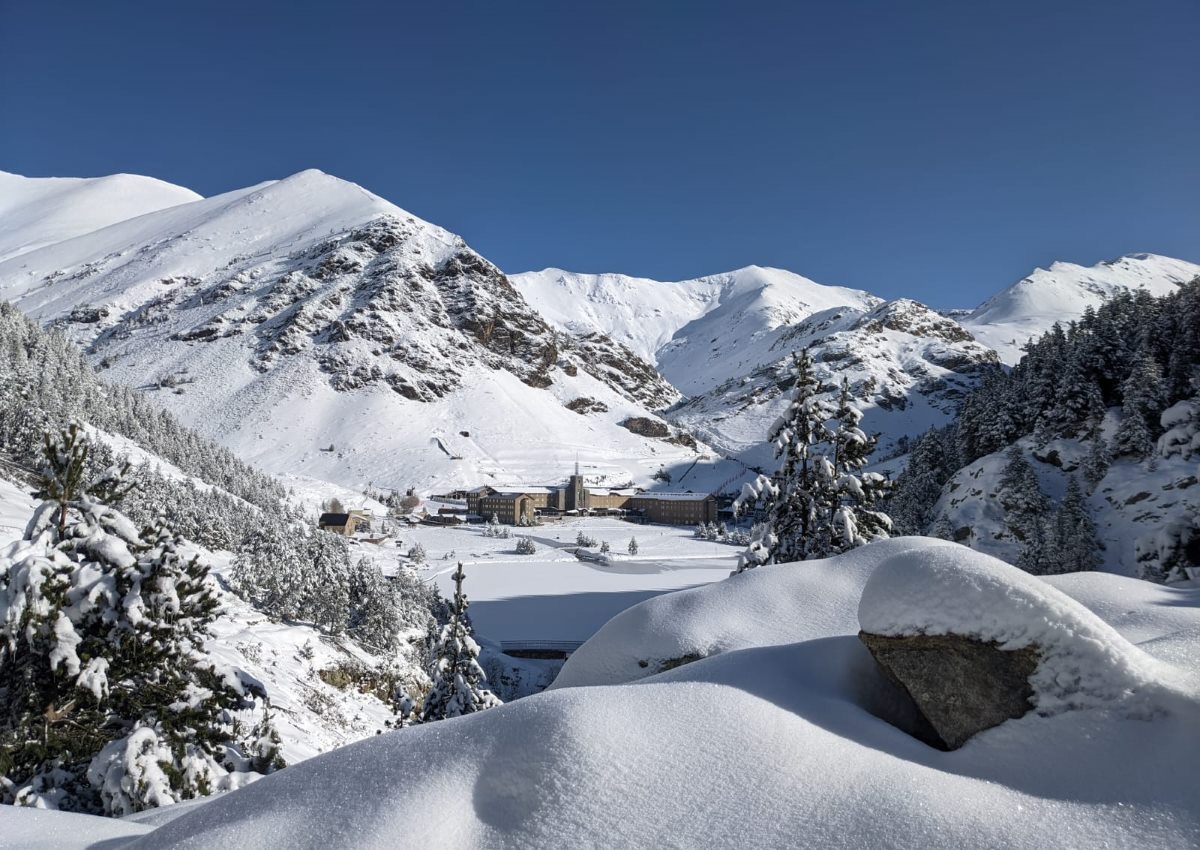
pixel 550 649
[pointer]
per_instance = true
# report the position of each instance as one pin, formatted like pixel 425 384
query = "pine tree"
pixel 1025 511
pixel 854 519
pixel 458 680
pixel 1074 546
pixel 1095 465
pixel 1078 404
pixel 817 504
pixel 107 702
pixel 919 486
pixel 797 502
pixel 1141 405
pixel 632 548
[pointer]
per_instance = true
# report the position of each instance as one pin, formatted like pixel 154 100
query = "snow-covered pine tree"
pixel 1095 465
pixel 919 486
pixel 1181 429
pixel 632 548
pixel 798 500
pixel 375 619
pixel 107 701
pixel 1141 405
pixel 1073 544
pixel 458 680
pixel 1078 404
pixel 1025 511
pixel 854 519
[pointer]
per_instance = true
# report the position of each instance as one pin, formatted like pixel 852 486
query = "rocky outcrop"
pixel 646 427
pixel 960 686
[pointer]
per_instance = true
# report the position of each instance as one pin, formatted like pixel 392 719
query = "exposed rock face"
pixel 961 686
pixel 646 427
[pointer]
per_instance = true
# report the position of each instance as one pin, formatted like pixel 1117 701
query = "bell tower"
pixel 578 493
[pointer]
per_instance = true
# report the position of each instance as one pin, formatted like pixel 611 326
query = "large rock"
pixel 960 685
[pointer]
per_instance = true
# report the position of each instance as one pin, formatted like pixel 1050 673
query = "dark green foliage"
pixel 107 702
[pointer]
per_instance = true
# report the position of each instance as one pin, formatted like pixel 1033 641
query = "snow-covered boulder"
pixel 1081 661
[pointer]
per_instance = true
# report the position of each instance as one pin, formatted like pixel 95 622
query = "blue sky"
pixel 935 150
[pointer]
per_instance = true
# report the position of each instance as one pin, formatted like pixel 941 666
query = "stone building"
pixel 345 524
pixel 675 508
pixel 510 504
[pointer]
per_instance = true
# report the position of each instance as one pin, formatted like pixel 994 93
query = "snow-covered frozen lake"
pixel 551 595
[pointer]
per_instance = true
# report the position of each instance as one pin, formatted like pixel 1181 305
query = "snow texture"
pixel 785 711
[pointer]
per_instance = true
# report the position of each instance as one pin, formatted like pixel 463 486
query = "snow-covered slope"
pixel 1028 308
pixel 1130 506
pixel 699 332
pixel 786 708
pixel 908 368
pixel 726 342
pixel 313 709
pixel 38 211
pixel 307 313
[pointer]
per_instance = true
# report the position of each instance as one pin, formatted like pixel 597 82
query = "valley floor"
pixel 551 595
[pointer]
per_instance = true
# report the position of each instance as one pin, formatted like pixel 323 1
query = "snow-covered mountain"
pixel 907 366
pixel 38 211
pixel 700 333
pixel 726 341
pixel 319 330
pixel 1028 308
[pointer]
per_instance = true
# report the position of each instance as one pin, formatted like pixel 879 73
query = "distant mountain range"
pixel 321 331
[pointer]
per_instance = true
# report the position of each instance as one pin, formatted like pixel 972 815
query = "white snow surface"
pixel 240 267
pixel 698 332
pixel 785 713
pixel 39 211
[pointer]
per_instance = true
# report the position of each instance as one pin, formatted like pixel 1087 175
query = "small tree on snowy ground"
pixel 458 680
pixel 819 503
pixel 525 546
pixel 605 548
pixel 1026 511
pixel 1142 402
pixel 1073 543
pixel 107 702
pixel 632 548
pixel 853 517
pixel 795 502
pixel 1095 465
pixel 416 553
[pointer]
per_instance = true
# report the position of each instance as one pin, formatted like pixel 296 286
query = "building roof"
pixel 522 491
pixel 333 519
pixel 674 497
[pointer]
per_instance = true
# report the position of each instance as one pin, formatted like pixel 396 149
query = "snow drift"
pixel 771 742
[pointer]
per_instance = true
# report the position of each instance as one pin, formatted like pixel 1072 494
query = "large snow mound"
pixel 772 742
pixel 787 721
pixel 1083 661
pixel 772 605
